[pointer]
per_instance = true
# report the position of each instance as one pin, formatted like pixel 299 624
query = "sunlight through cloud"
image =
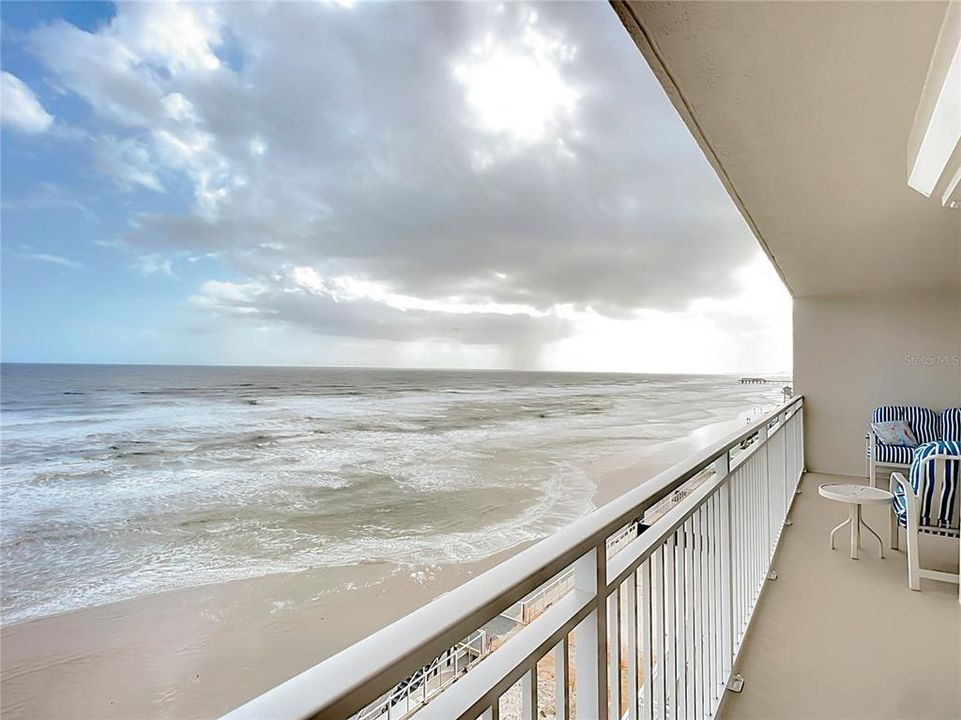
pixel 517 89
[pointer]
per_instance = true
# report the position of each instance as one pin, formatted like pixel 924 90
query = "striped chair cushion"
pixel 894 454
pixel 938 496
pixel 951 424
pixel 925 423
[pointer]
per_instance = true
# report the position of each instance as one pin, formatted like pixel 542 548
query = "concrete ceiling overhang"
pixel 804 109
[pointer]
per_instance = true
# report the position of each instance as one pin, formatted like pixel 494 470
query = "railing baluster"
pixel 717 622
pixel 658 683
pixel 675 698
pixel 529 694
pixel 738 554
pixel 703 641
pixel 722 467
pixel 744 546
pixel 689 601
pixel 749 518
pixel 707 573
pixel 562 672
pixel 670 633
pixel 693 666
pixel 758 530
pixel 763 517
pixel 614 651
pixel 755 558
pixel 647 645
pixel 742 525
pixel 717 631
pixel 718 601
pixel 762 520
pixel 590 575
pixel 632 680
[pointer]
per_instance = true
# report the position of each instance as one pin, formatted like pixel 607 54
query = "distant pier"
pixel 753 380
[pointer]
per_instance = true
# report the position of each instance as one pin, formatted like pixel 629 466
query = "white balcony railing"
pixel 650 626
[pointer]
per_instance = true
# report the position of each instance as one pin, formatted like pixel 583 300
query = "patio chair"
pixel 927 503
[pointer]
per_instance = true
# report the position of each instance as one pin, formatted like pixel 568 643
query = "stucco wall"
pixel 854 352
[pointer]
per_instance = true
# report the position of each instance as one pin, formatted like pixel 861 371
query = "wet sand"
pixel 199 652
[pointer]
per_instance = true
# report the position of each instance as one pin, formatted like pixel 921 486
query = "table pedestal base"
pixel 855 521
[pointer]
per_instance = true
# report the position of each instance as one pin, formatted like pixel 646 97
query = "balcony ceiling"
pixel 805 109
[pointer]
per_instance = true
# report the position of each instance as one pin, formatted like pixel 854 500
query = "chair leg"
pixel 914 561
pixel 893 532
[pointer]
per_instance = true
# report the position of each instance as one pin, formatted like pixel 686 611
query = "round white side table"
pixel 855 496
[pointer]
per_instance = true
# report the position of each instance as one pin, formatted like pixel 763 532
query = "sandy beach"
pixel 199 652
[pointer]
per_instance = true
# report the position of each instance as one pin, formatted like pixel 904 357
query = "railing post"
pixel 788 460
pixel 722 468
pixel 766 491
pixel 590 636
pixel 800 417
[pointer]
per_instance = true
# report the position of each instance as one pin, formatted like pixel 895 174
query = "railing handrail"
pixel 363 672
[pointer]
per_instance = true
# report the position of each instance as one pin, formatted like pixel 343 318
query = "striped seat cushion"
pixel 938 495
pixel 894 454
pixel 951 424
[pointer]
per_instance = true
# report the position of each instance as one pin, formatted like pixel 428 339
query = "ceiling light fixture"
pixel 934 146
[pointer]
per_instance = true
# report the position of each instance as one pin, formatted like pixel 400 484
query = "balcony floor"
pixel 838 638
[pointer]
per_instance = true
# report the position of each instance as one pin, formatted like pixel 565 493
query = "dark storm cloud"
pixel 364 318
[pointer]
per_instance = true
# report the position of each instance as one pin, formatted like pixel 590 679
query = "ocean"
pixel 124 481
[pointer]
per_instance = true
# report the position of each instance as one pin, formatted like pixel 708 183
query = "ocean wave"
pixel 118 494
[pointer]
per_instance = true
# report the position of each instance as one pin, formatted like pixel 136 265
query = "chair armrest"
pixel 899 479
pixel 910 498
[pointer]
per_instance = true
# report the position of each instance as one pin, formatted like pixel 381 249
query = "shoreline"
pixel 199 652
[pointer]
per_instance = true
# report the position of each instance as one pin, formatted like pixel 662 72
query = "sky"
pixel 478 185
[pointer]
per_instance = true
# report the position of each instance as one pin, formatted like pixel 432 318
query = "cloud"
pixel 518 90
pixel 154 264
pixel 472 172
pixel 20 109
pixel 127 161
pixel 52 259
pixel 327 308
pixel 749 331
pixel 101 69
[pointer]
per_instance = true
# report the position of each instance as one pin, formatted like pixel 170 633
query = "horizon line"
pixel 744 373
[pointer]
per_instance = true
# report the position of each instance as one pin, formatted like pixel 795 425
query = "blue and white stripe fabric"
pixel 894 454
pixel 951 424
pixel 937 512
pixel 925 423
